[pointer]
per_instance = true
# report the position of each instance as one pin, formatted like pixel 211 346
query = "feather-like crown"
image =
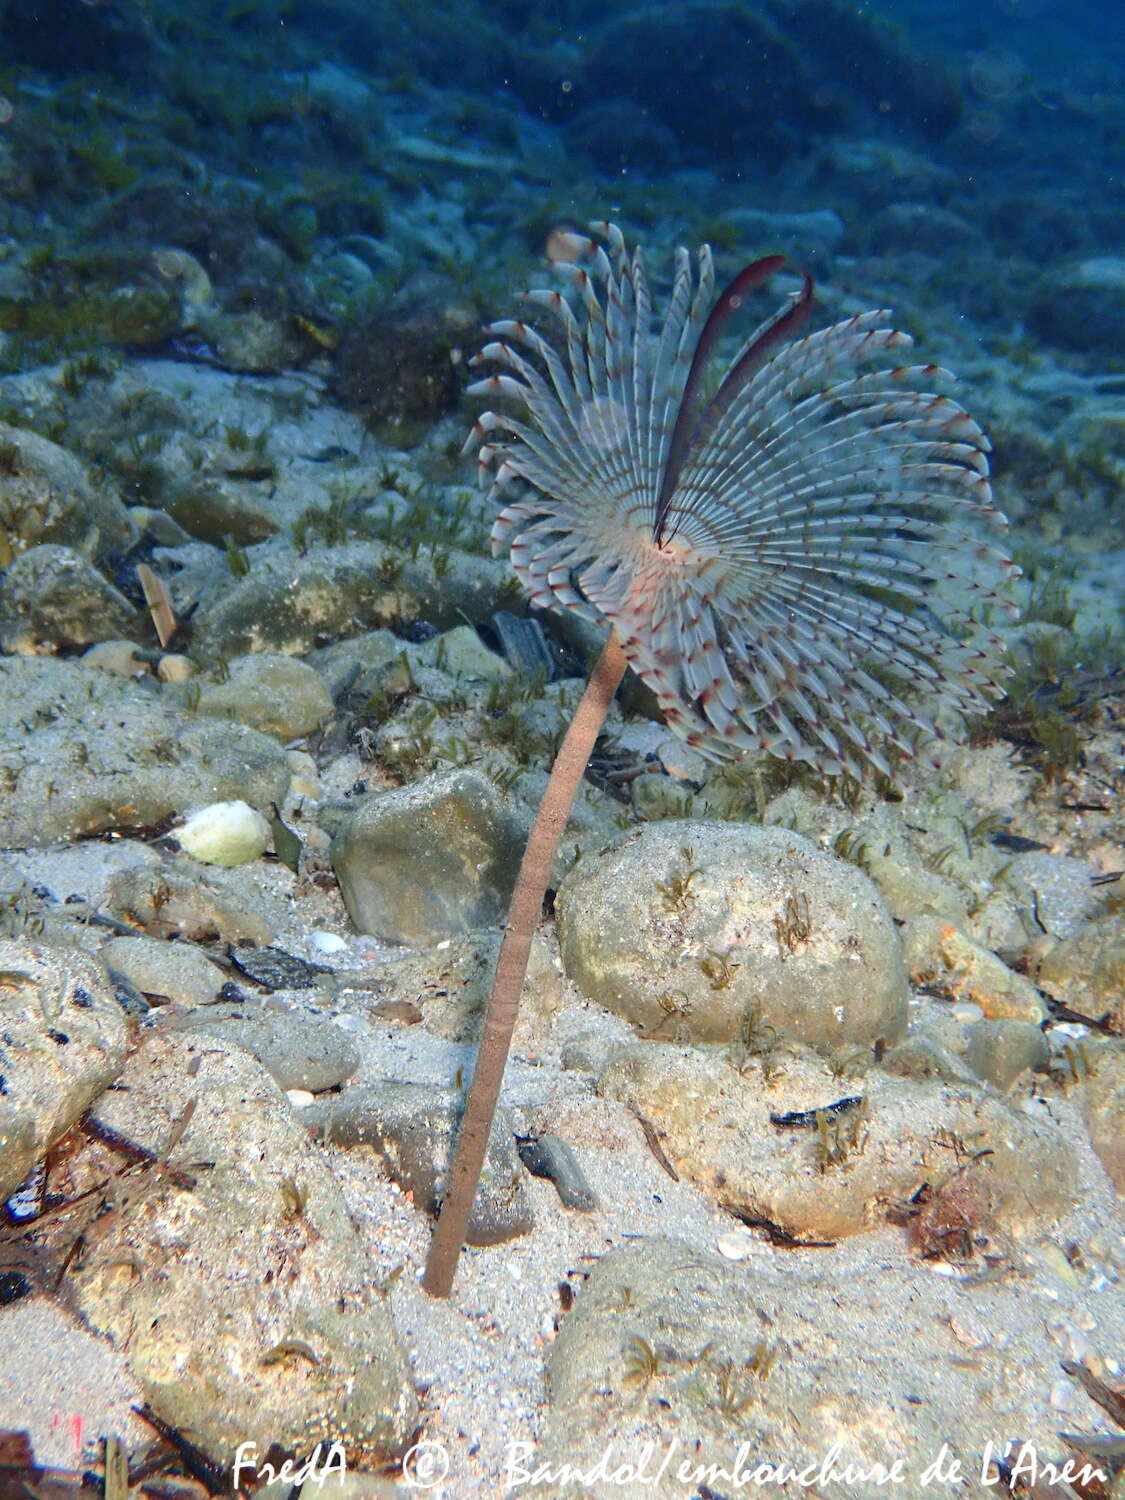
pixel 793 564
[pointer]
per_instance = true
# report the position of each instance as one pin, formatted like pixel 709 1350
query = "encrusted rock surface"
pixel 711 931
pixel 63 1039
pixel 746 1132
pixel 274 694
pixel 84 752
pixel 243 1301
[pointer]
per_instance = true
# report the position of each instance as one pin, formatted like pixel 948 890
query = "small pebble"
pixel 328 942
pixel 117 657
pixel 300 1098
pixel 174 669
pixel 967 1013
pixel 737 1244
pixel 551 1157
pixel 1062 1395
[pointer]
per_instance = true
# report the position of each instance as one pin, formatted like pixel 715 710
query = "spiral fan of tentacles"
pixel 793 564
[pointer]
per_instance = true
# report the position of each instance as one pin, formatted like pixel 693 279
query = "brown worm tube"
pixel 511 966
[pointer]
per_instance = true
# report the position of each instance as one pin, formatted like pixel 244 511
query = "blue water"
pixel 971 154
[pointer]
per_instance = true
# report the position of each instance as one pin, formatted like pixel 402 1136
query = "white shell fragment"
pixel 226 833
pixel 736 1244
pixel 327 942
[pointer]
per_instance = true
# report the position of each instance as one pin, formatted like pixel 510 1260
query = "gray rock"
pixel 1082 306
pixel 432 860
pixel 817 230
pixel 214 508
pixel 46 496
pixel 925 227
pixel 82 751
pixel 170 971
pixel 461 653
pixel 185 903
pixel 1002 1051
pixel 551 1157
pixel 274 694
pixel 251 342
pixel 270 1328
pixel 63 1039
pixel 366 654
pixel 291 603
pixel 1102 1101
pixel 922 1055
pixel 702 931
pixel 158 526
pixel 51 597
pixel 413 1129
pixel 298 1047
pixel 715 1123
pixel 785 1360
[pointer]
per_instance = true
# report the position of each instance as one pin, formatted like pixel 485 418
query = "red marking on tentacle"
pixel 689 431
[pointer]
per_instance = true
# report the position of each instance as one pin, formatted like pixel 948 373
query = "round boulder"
pixel 429 861
pixel 272 693
pixel 705 931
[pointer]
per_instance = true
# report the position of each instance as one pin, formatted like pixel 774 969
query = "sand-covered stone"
pixel 63 1038
pixel 293 603
pixel 244 1304
pixel 187 901
pixel 1000 1052
pixel 164 970
pixel 731 1130
pixel 702 931
pixel 297 1046
pixel 83 751
pixel 274 694
pixel 774 1376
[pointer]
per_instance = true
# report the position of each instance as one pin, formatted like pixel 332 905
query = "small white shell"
pixel 226 833
pixel 736 1244
pixel 328 942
